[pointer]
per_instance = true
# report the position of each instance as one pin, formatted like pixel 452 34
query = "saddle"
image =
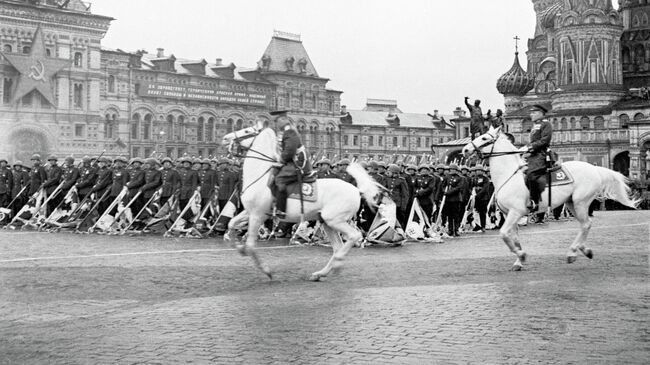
pixel 559 176
pixel 309 191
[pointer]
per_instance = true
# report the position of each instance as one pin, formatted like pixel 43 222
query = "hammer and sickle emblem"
pixel 35 73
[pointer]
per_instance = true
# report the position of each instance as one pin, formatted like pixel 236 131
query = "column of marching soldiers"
pixel 197 197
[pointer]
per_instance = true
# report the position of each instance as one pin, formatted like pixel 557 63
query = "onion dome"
pixel 516 81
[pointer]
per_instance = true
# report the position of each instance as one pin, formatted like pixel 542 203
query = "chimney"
pixel 160 53
pixel 435 114
pixel 218 62
pixel 458 112
pixel 344 109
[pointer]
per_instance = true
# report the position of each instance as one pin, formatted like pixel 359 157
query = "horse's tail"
pixel 368 187
pixel 615 187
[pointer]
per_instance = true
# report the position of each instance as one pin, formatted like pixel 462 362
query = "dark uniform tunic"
pixel 453 203
pixel 293 158
pixel 327 174
pixel 170 182
pixel 227 182
pixel 398 192
pixel 87 178
pixel 102 184
pixel 540 140
pixel 6 184
pixel 69 177
pixel 136 181
pixel 54 175
pixel 36 176
pixel 20 181
pixel 425 187
pixel 208 183
pixel 483 194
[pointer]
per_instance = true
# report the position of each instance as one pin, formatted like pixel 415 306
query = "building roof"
pixel 208 67
pixel 285 46
pixel 406 120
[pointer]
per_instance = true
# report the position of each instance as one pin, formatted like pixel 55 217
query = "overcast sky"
pixel 426 54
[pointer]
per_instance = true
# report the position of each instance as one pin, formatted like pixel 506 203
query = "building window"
pixel 209 133
pixel 48 52
pixel 569 71
pixel 394 141
pixel 465 132
pixel 169 128
pixel 593 71
pixel 108 126
pixel 135 126
pixel 111 84
pixel 404 142
pixel 346 140
pixel 78 96
pixel 330 106
pixel 380 140
pixel 170 152
pixel 199 129
pixel 210 152
pixel 146 133
pixel 27 49
pixel 418 141
pixel 7 48
pixel 147 152
pixel 427 142
pixel 355 140
pixel 179 132
pixel 135 152
pixel 79 130
pixel 315 101
pixel 229 125
pixel 371 140
pixel 78 59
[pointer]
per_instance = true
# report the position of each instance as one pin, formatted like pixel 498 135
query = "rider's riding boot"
pixel 281 205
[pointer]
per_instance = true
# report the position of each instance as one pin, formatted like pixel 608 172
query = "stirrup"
pixel 532 206
pixel 277 213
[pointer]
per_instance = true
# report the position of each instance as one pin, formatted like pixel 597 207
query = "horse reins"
pixel 264 157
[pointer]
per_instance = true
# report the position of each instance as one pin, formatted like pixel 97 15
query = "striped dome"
pixel 516 81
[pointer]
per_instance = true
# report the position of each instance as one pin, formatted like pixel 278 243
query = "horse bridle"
pixel 264 157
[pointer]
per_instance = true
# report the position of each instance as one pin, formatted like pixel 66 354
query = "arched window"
pixel 147 127
pixel 229 125
pixel 135 126
pixel 108 126
pixel 563 124
pixel 239 125
pixel 638 117
pixel 78 59
pixel 8 88
pixel 169 128
pixel 584 123
pixel 209 131
pixel 7 48
pixel 179 132
pixel 199 129
pixel 623 120
pixel 599 123
pixel 111 84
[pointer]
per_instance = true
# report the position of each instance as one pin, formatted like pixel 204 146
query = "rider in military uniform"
pixel 540 140
pixel 293 157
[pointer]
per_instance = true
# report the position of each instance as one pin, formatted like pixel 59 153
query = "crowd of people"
pixel 192 194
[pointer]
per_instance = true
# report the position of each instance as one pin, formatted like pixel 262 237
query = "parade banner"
pixel 200 93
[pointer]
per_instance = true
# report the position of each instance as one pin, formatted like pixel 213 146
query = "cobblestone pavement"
pixel 76 299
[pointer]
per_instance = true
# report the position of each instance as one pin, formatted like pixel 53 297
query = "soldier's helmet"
pixel 52 158
pixel 69 160
pixel 223 160
pixel 18 163
pixel 326 161
pixel 372 164
pixel 344 162
pixel 2 159
pixel 86 159
pixel 137 160
pixel 104 159
pixel 151 161
pixel 167 159
pixel 453 168
pixel 120 159
pixel 364 164
pixel 206 161
pixel 440 166
pixel 411 166
pixel 424 166
pixel 394 168
pixel 381 164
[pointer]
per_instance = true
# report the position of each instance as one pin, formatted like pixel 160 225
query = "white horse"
pixel 512 195
pixel 338 201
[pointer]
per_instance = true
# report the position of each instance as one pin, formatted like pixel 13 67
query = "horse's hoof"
pixel 571 259
pixel 267 271
pixel 522 256
pixel 241 249
pixel 517 267
pixel 588 253
pixel 314 277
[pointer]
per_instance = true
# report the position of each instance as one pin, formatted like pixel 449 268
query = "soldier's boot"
pixel 281 205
